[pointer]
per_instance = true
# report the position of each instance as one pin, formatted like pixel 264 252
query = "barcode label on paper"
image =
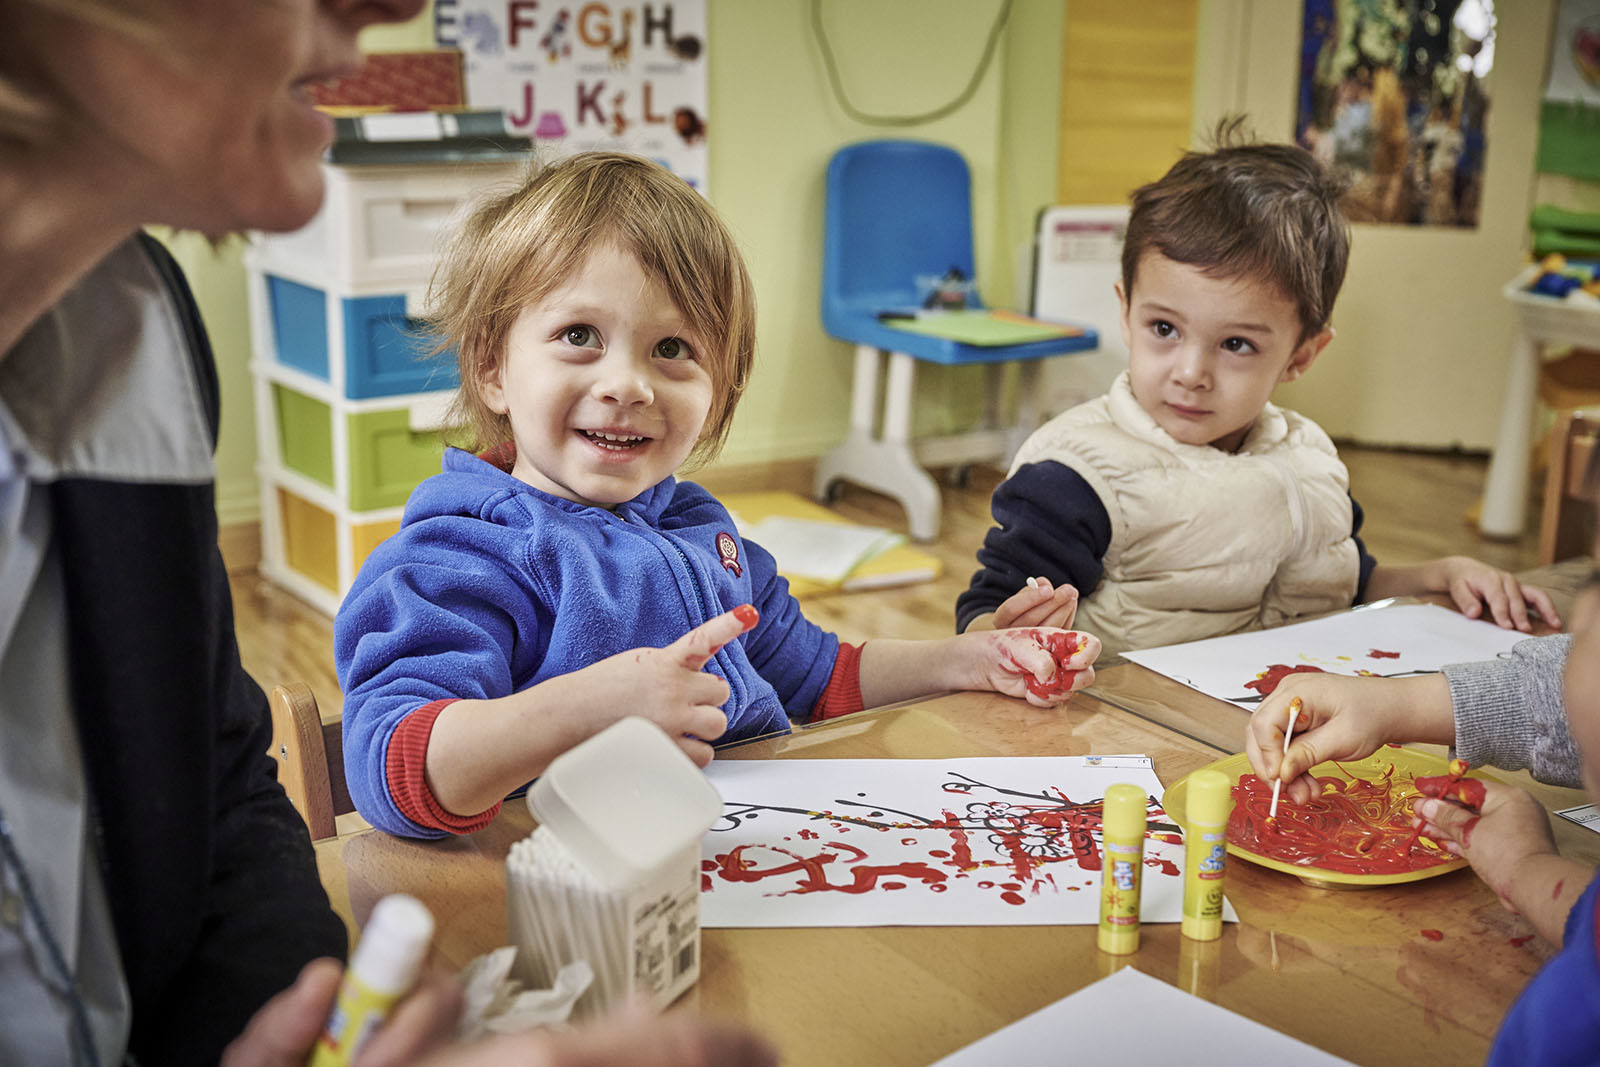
pixel 1124 762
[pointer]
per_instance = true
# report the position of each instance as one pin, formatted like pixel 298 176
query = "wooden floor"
pixel 1415 506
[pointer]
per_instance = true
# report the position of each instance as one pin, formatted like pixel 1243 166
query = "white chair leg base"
pixel 887 468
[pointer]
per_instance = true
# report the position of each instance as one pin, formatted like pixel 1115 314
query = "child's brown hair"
pixel 516 247
pixel 1266 212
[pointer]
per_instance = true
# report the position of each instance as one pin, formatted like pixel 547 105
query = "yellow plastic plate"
pixel 1406 760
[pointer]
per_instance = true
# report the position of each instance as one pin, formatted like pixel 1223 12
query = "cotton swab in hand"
pixel 1288 731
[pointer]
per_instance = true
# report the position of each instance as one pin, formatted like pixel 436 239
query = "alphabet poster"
pixel 628 75
pixel 917 842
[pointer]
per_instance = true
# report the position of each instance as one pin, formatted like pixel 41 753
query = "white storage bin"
pixel 379 225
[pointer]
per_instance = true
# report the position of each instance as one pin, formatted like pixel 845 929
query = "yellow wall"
pixel 1423 335
pixel 772 127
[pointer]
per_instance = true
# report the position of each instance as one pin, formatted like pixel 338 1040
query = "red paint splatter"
pixel 809 835
pixel 742 864
pixel 1062 646
pixel 1518 942
pixel 1265 682
pixel 1165 866
pixel 1379 653
pixel 1012 897
pixel 1433 935
pixel 1466 832
pixel 1555 894
pixel 1355 826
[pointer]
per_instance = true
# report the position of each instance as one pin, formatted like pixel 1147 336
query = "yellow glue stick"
pixel 1122 825
pixel 382 970
pixel 1205 853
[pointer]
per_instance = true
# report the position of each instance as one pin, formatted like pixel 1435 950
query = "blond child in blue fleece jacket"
pixel 562 577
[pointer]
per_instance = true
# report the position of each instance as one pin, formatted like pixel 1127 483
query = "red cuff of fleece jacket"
pixel 843 694
pixel 405 766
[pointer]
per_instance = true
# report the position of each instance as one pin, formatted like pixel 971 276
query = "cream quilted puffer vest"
pixel 1204 542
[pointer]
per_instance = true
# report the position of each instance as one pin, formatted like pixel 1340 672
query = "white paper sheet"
pixel 822 551
pixel 958 842
pixel 1585 815
pixel 1111 1020
pixel 1400 639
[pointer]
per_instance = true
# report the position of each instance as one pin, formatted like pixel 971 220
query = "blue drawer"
pixel 383 352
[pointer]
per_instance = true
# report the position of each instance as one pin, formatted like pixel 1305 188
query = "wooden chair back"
pixel 1567 526
pixel 310 755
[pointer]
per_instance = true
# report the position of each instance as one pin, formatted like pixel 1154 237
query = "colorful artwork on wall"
pixel 1394 95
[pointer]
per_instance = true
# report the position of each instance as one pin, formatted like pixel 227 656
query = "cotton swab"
pixel 1288 731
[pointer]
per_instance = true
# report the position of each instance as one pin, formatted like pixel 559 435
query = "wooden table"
pixel 1350 972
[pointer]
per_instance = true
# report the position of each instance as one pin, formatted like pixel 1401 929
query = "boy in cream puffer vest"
pixel 1183 504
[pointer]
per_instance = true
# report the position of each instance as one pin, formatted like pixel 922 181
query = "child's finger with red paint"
pixel 695 648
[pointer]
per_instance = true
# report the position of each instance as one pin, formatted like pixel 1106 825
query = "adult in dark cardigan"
pixel 177 918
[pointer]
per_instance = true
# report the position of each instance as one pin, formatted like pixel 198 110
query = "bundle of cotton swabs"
pixel 559 913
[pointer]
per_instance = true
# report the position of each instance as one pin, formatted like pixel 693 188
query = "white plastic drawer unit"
pixel 381 225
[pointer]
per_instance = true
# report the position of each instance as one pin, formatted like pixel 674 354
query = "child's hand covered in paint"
pixel 1343 718
pixel 1042 665
pixel 1038 604
pixel 669 686
pixel 1507 840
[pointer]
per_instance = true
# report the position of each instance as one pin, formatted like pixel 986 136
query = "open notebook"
pixel 818 551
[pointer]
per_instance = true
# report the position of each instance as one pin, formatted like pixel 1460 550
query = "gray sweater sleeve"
pixel 1510 713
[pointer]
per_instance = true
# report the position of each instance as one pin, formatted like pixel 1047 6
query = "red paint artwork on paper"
pixel 1011 843
pixel 1379 653
pixel 1268 680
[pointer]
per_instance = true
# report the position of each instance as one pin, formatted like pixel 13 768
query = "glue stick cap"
pixel 1123 812
pixel 625 802
pixel 1209 799
pixel 394 944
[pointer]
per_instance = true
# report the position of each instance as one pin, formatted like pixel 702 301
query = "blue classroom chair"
pixel 898 211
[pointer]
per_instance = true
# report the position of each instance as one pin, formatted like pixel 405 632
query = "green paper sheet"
pixel 983 327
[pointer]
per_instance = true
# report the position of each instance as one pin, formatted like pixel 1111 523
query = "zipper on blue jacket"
pixel 738 697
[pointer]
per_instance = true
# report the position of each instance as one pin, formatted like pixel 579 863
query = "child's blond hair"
pixel 1266 212
pixel 515 248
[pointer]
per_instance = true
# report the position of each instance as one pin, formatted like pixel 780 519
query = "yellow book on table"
pixel 830 553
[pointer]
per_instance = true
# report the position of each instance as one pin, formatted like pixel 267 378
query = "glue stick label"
pixel 359 1011
pixel 1120 905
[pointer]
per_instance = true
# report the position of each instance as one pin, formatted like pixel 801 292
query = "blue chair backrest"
pixel 896 210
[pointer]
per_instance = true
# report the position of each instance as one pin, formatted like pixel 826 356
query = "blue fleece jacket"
pixel 492 586
pixel 1556 1020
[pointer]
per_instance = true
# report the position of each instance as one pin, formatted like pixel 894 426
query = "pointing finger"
pixel 694 648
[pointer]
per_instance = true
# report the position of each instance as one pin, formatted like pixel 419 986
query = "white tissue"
pixel 498 1003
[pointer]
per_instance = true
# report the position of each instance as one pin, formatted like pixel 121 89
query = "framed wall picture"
pixel 1394 94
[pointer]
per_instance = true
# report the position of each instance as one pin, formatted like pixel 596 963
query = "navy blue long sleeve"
pixel 1049 524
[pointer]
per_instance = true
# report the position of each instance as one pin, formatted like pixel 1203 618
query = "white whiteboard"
pixel 1077 261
